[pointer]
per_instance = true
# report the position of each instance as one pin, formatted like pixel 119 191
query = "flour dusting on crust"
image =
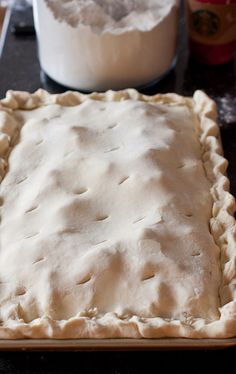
pixel 98 260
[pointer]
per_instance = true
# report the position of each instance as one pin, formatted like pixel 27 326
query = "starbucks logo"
pixel 206 23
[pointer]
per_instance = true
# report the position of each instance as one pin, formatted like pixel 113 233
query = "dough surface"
pixel 116 220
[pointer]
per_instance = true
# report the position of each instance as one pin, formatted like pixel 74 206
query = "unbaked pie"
pixel 116 220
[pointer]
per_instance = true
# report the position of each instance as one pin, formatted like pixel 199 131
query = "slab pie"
pixel 116 217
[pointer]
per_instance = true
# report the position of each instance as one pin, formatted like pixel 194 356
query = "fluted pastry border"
pixel 222 225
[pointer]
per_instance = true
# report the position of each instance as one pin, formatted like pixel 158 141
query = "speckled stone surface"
pixel 20 70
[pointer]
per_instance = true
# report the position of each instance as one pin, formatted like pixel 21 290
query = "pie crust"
pixel 116 217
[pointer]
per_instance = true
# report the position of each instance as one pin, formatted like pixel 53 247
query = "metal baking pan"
pixel 114 344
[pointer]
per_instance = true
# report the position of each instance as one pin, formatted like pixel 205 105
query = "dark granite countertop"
pixel 20 70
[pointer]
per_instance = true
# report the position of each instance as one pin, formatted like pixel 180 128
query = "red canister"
pixel 212 30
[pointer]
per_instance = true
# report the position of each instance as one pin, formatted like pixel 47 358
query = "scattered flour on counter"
pixel 227 108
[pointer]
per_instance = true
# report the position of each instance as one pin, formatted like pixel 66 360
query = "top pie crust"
pixel 116 219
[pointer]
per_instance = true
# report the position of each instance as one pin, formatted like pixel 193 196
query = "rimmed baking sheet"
pixel 115 344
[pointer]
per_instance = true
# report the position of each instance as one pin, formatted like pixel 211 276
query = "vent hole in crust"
pixel 173 126
pixel 102 218
pixel 80 191
pixel 31 235
pixel 196 254
pixel 112 126
pixel 181 166
pixel 147 277
pixel 112 150
pixel 189 215
pixel 68 153
pixel 1 201
pixel 102 109
pixel 84 280
pixel 31 209
pixel 138 220
pixel 38 260
pixel 21 180
pixel 124 179
pixel 39 142
pixel 101 242
pixel 20 291
pixel 68 230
